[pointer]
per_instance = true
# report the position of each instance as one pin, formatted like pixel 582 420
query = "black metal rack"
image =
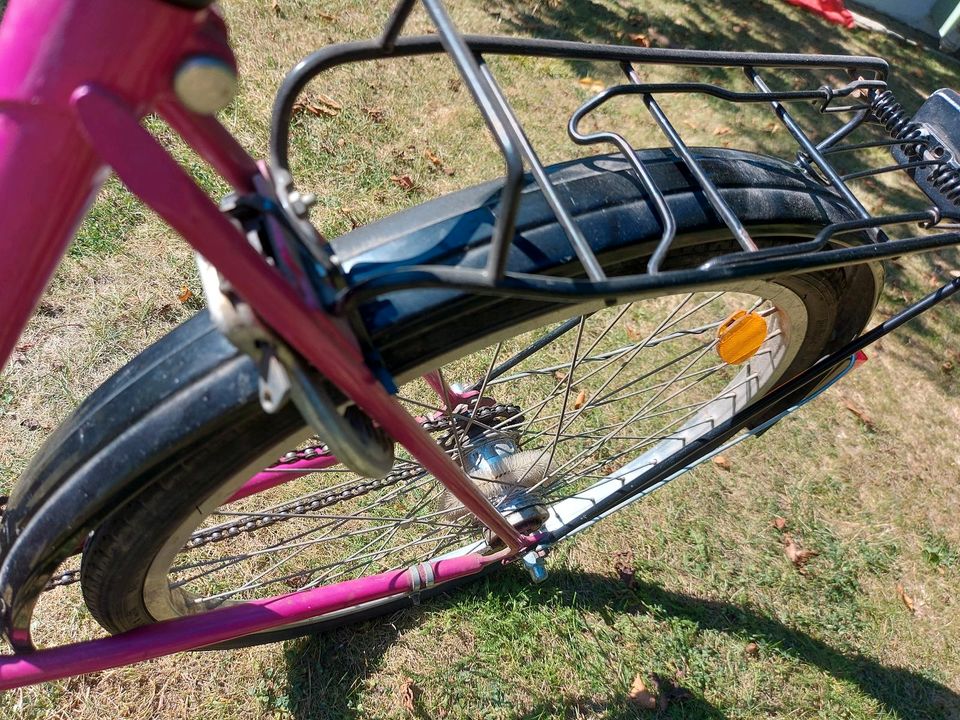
pixel 863 99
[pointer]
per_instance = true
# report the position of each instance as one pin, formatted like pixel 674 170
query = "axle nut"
pixel 205 84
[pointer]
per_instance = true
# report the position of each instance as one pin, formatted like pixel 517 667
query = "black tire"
pixel 410 329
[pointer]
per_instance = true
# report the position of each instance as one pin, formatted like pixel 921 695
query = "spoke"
pixel 483 388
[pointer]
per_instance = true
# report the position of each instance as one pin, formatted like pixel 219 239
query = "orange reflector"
pixel 740 336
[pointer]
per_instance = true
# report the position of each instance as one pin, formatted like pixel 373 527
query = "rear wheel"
pixel 572 408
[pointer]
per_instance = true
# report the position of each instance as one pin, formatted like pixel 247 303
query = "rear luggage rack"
pixel 924 148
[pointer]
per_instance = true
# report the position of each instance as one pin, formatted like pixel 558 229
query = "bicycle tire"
pixel 777 202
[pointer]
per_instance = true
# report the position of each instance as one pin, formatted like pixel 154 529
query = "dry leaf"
pixel 408 695
pixel 329 102
pixel 640 696
pixel 275 6
pixel 438 163
pixel 560 376
pixel 779 522
pixel 404 181
pixel 375 114
pixel 947 367
pixel 751 649
pixel 623 565
pixel 861 414
pixel 723 462
pixel 185 294
pixel 722 130
pixel 954 274
pixel 657 37
pixel 907 601
pixel 314 109
pixel 30 424
pixel 326 16
pixel 773 127
pixel 591 84
pixel 796 554
pixel 581 400
pixel 633 332
pixel 639 39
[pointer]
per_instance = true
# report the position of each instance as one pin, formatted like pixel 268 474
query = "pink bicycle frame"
pixel 76 78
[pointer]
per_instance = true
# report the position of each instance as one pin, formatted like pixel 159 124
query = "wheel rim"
pixel 623 389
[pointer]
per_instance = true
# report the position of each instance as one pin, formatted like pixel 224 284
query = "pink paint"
pixel 76 77
pixel 196 631
pixel 147 169
pixel 447 394
pixel 213 143
pixel 279 474
pixel 48 171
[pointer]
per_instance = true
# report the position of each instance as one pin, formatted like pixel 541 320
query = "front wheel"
pixel 569 403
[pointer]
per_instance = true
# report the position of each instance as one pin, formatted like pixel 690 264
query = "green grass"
pixel 878 504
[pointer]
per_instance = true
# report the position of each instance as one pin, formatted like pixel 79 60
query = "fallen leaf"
pixel 591 84
pixel 581 400
pixel 954 274
pixel 797 555
pixel 329 102
pixel 403 181
pixel 640 696
pixel 314 109
pixel 348 213
pixel 296 582
pixel 408 695
pixel 722 130
pixel 633 332
pixel 454 84
pixel 947 367
pixel 779 522
pixel 907 601
pixel 657 38
pixel 438 163
pixel 773 127
pixel 623 565
pixel 559 376
pixel 50 309
pixel 751 649
pixel 407 154
pixel 30 424
pixel 861 414
pixel 184 294
pixel 723 462
pixel 275 6
pixel 375 114
pixel 326 16
pixel 639 39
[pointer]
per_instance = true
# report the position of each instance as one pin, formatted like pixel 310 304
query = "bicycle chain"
pixel 322 500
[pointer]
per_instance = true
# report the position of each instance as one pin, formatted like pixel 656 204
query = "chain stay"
pixel 319 500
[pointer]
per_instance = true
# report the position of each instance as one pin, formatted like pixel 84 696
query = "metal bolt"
pixel 301 203
pixel 534 564
pixel 205 84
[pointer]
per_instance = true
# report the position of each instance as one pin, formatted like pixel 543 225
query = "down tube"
pixel 49 175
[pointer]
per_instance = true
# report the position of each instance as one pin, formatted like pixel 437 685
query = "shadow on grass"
pixel 326 674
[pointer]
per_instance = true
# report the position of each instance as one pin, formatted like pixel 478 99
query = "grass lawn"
pixel 690 590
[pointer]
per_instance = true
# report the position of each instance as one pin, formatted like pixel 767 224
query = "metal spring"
pixel 947 180
pixel 898 122
pixel 900 125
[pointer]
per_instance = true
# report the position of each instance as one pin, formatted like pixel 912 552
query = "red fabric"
pixel 832 10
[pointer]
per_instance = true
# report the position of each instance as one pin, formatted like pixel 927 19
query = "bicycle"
pixel 306 335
